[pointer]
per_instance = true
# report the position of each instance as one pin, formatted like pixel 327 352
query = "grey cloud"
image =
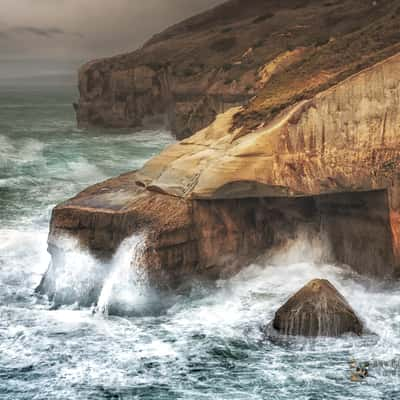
pixel 80 30
pixel 44 32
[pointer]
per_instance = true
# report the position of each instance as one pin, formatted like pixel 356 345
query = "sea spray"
pixel 74 276
pixel 126 290
pixel 306 246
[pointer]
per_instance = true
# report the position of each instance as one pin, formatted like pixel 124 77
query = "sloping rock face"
pixel 311 143
pixel 269 55
pixel 344 139
pixel 318 309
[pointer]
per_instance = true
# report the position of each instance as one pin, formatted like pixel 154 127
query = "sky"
pixel 53 37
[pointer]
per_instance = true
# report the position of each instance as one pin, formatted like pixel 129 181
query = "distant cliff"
pixel 261 54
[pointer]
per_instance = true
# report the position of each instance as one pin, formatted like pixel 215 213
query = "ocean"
pixel 206 343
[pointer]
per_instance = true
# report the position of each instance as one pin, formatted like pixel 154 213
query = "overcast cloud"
pixel 68 32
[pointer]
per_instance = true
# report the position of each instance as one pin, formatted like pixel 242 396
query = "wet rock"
pixel 318 309
pixel 184 239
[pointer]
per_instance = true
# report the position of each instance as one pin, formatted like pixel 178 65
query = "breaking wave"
pixel 116 287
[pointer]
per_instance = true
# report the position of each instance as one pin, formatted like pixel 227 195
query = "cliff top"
pixel 263 54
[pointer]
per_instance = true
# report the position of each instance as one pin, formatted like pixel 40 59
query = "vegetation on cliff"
pixel 198 68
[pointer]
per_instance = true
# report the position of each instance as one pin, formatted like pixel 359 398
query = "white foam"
pixel 23 151
pixel 23 255
pixel 126 286
pixel 75 273
pixel 81 170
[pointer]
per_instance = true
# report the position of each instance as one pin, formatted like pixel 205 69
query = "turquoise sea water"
pixel 206 344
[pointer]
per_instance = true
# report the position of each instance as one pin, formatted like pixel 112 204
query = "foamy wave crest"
pixel 22 256
pixel 82 170
pixel 76 277
pixel 30 151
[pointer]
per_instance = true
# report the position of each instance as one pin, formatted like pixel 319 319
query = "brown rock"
pixel 345 139
pixel 184 239
pixel 341 148
pixel 318 309
pixel 218 199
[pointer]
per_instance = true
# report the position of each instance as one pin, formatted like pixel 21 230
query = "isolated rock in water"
pixel 318 309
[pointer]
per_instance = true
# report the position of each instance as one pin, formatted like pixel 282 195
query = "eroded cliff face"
pixel 265 56
pixel 187 240
pixel 184 239
pixel 340 148
pixel 319 153
pixel 344 139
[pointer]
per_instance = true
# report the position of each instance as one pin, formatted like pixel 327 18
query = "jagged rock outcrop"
pixel 317 309
pixel 269 53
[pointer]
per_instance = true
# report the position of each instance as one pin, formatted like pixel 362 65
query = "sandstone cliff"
pixel 266 54
pixel 329 165
pixel 344 139
pixel 316 148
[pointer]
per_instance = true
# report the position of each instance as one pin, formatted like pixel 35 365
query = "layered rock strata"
pixel 343 141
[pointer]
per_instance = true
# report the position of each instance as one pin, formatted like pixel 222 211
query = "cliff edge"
pixel 315 149
pixel 262 54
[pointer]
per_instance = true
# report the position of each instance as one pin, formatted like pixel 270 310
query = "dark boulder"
pixel 317 309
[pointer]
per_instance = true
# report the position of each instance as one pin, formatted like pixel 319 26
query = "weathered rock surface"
pixel 318 309
pixel 344 139
pixel 184 239
pixel 270 54
pixel 218 199
pixel 318 151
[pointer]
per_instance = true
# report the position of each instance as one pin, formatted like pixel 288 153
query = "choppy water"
pixel 206 344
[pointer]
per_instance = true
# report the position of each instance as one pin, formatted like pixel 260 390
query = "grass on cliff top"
pixel 371 38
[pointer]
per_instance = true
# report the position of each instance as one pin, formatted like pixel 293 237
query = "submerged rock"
pixel 318 309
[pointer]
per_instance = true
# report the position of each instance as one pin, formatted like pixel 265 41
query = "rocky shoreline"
pixel 211 203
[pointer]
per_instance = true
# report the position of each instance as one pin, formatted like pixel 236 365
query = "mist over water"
pixel 205 344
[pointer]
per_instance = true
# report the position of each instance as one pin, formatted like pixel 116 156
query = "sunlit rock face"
pixel 318 309
pixel 345 139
